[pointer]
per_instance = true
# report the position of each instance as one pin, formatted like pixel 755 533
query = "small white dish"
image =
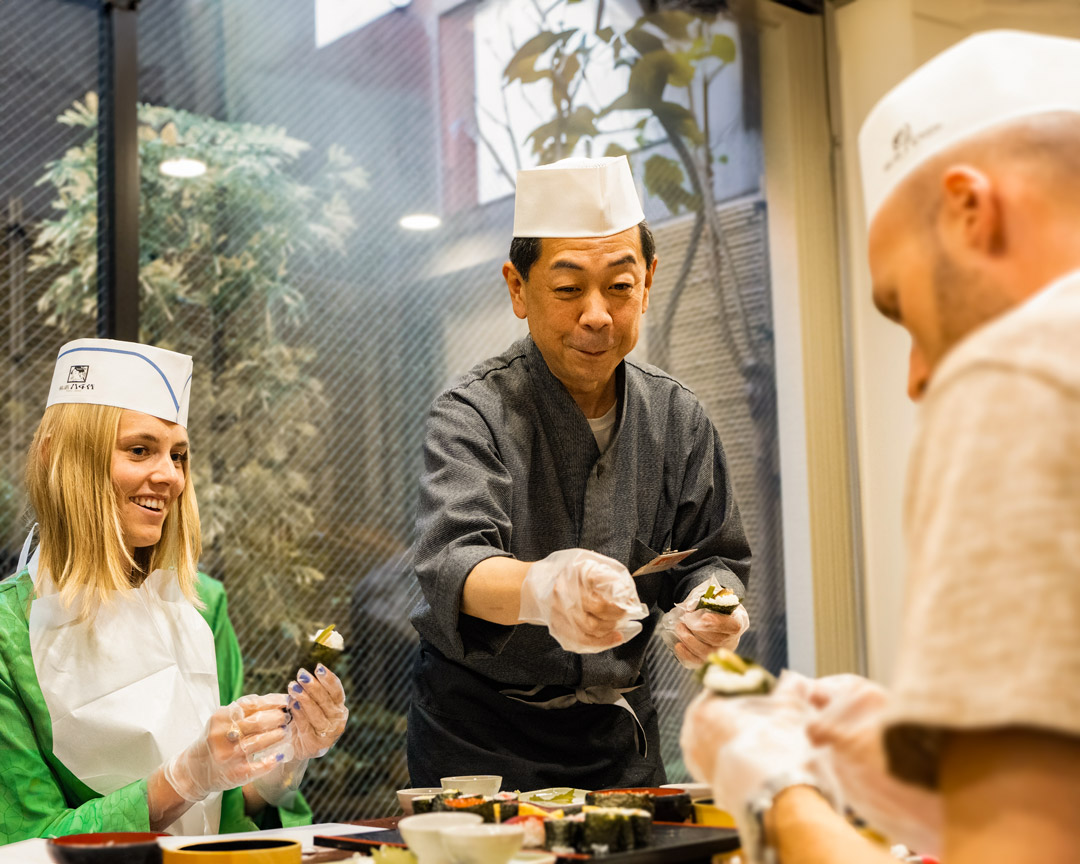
pixel 405 796
pixel 696 791
pixel 473 784
pixel 554 797
pixel 423 833
pixel 482 844
pixel 530 856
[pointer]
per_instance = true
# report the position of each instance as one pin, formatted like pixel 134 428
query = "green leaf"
pixel 723 47
pixel 614 149
pixel 643 41
pixel 678 120
pixel 664 178
pixel 675 23
pixel 606 34
pixel 522 66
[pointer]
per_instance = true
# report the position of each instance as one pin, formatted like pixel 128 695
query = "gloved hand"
pixel 738 744
pixel 848 726
pixel 693 634
pixel 319 715
pixel 587 601
pixel 223 757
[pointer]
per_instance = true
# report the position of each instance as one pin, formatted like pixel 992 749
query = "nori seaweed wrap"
pixel 725 601
pixel 486 807
pixel 324 647
pixel 672 808
pixel 633 800
pixel 562 835
pixel 423 804
pixel 607 830
pixel 641 825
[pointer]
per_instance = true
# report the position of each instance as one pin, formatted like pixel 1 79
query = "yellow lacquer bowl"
pixel 268 851
pixel 707 813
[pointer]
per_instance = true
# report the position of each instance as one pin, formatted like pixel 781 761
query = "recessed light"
pixel 420 222
pixel 182 168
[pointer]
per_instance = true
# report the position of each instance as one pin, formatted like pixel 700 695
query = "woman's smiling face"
pixel 148 473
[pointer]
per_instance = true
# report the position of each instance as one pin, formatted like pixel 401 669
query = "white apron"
pixel 128 690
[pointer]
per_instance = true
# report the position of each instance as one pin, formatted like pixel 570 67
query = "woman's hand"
pixel 317 704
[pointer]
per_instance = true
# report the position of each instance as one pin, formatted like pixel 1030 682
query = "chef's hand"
pixel 588 602
pixel 701 632
pixel 849 726
pixel 739 744
pixel 224 756
pixel 693 634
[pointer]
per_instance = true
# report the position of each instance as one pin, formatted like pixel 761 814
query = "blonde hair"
pixel 69 481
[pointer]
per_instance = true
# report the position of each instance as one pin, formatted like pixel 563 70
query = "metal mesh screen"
pixel 322 329
pixel 35 92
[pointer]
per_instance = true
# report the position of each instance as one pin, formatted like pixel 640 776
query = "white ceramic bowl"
pixel 473 784
pixel 423 833
pixel 405 796
pixel 696 791
pixel 482 844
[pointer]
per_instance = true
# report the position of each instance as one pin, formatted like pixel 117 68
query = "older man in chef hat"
pixel 552 472
pixel 115 653
pixel 971 171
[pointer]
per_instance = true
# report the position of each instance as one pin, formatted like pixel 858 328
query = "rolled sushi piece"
pixel 725 673
pixel 607 830
pixel 487 807
pixel 723 600
pixel 563 836
pixel 423 804
pixel 324 647
pixel 633 800
pixel 533 826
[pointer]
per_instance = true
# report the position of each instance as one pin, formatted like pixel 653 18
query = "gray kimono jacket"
pixel 512 468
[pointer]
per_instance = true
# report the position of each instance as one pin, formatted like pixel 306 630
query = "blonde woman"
pixel 120 672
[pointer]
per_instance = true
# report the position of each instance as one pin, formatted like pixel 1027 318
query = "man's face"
pixel 903 260
pixel 584 300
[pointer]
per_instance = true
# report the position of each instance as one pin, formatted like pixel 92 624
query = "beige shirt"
pixel 991 631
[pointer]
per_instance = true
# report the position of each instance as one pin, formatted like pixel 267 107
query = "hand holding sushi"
pixel 711 618
pixel 740 746
pixel 588 602
pixel 849 724
pixel 317 703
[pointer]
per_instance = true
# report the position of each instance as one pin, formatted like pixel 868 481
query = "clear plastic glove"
pixel 319 715
pixel 588 602
pixel 694 633
pixel 848 727
pixel 739 744
pixel 224 756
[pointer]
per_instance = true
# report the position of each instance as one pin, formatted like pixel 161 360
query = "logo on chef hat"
pixel 907 139
pixel 77 374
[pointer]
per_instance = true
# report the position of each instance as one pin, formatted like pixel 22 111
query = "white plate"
pixel 527 857
pixel 553 791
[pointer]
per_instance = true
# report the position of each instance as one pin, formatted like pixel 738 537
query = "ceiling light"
pixel 182 168
pixel 420 222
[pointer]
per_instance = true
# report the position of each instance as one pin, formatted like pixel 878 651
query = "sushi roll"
pixel 641 827
pixel 506 806
pixel 533 826
pixel 486 807
pixel 423 804
pixel 606 830
pixel 324 647
pixel 633 800
pixel 563 836
pixel 725 673
pixel 723 601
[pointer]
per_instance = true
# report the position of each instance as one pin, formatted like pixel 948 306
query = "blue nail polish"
pixel 303 676
pixel 320 669
pixel 279 757
pixel 296 705
pixel 296 688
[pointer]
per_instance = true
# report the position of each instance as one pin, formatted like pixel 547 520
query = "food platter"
pixel 671 844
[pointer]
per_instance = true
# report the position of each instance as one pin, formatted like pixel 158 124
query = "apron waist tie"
pixel 600 694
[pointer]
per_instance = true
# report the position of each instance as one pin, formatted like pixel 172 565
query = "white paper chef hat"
pixel 125 374
pixel 576 198
pixel 987 79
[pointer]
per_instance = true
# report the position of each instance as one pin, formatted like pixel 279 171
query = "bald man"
pixel 974 250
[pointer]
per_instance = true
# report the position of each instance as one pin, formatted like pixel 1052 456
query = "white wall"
pixel 877 42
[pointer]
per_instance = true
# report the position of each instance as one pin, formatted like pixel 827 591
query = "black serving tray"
pixel 673 843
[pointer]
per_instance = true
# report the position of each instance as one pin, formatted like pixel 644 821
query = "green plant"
pixel 221 259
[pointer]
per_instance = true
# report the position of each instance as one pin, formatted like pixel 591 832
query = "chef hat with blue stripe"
pixel 124 374
pixel 988 79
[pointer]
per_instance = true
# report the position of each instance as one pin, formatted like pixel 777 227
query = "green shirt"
pixel 39 797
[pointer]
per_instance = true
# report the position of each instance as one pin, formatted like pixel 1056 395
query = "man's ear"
pixel 650 272
pixel 517 290
pixel 970 217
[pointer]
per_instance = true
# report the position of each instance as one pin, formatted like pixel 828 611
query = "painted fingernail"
pixel 279 757
pixel 296 706
pixel 320 669
pixel 296 688
pixel 303 676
